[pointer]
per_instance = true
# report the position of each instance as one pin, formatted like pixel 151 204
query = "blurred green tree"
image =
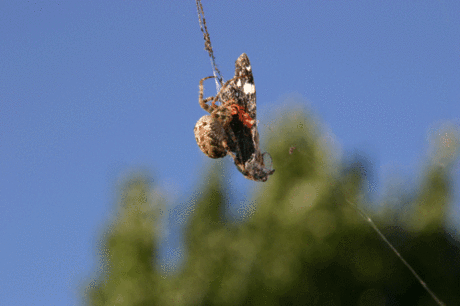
pixel 127 251
pixel 300 244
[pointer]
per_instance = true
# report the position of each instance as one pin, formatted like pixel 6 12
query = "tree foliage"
pixel 300 244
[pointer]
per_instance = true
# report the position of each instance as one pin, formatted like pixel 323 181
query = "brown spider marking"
pixel 231 127
pixel 209 136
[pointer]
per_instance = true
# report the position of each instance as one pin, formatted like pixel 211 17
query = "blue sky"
pixel 91 89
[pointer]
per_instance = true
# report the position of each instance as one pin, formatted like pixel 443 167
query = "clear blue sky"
pixel 89 89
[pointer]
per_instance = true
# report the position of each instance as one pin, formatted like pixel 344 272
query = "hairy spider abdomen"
pixel 210 136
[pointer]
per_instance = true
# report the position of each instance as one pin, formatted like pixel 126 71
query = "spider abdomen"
pixel 210 136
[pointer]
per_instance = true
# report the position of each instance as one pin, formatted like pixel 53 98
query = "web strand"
pixel 420 280
pixel 208 46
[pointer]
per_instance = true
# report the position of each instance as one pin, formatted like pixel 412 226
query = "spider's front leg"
pixel 209 132
pixel 202 102
pixel 221 91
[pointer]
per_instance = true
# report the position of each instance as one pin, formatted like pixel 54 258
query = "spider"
pixel 211 130
pixel 231 127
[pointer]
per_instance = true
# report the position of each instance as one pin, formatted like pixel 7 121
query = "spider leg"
pixel 200 96
pixel 213 103
pixel 207 100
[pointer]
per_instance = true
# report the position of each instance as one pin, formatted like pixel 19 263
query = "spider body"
pixel 231 126
pixel 210 136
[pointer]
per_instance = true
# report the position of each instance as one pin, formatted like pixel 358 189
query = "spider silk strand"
pixel 420 280
pixel 208 46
